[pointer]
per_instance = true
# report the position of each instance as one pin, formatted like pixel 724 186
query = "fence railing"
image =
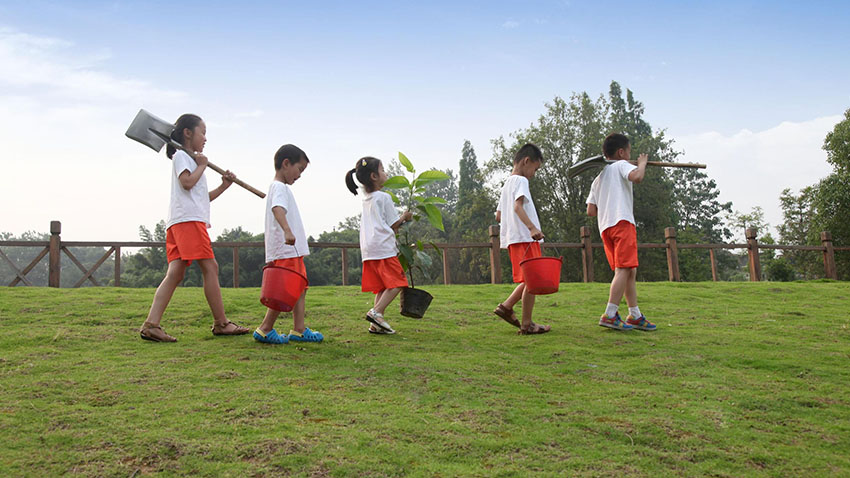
pixel 55 247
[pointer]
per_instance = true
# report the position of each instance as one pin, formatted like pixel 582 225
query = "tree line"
pixel 568 131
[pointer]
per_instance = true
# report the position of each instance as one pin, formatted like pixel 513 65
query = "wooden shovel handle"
pixel 237 181
pixel 672 165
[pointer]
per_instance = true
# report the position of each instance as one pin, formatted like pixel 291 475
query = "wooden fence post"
pixel 672 254
pixel 447 273
pixel 495 260
pixel 117 266
pixel 344 266
pixel 828 255
pixel 753 252
pixel 587 254
pixel 54 267
pixel 235 267
pixel 713 265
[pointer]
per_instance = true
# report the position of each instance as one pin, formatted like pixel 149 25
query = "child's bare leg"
pixel 386 296
pixel 212 290
pixel 269 320
pixel 378 298
pixel 527 308
pixel 618 285
pixel 631 288
pixel 172 279
pixel 515 296
pixel 298 313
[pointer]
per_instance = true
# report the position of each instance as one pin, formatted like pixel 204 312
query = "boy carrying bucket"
pixel 612 202
pixel 286 243
pixel 520 229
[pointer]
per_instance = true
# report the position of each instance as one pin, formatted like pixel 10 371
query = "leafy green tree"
pixel 832 213
pixel 837 145
pixel 797 229
pixel 251 259
pixel 475 213
pixel 147 267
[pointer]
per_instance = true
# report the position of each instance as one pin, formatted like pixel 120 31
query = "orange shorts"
pixel 620 243
pixel 382 274
pixel 294 263
pixel 188 241
pixel 520 252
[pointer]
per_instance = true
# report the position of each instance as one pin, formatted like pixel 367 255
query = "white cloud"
pixel 510 24
pixel 752 168
pixel 55 67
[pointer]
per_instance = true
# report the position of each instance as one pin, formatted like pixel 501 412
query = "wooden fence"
pixel 55 247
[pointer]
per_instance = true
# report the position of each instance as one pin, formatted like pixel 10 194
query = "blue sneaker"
pixel 614 322
pixel 307 336
pixel 270 338
pixel 641 323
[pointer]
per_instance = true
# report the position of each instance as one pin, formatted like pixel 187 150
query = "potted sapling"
pixel 412 255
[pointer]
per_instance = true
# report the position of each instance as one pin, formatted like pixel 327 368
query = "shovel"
pixel 600 161
pixel 155 133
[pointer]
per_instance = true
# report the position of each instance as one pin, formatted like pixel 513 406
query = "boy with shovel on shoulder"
pixel 611 200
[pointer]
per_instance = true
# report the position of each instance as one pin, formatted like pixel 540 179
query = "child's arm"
pixel 636 175
pixel 499 216
pixel 404 218
pixel 536 234
pixel 591 209
pixel 280 217
pixel 187 179
pixel 226 180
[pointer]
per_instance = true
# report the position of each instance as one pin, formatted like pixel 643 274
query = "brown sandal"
pixel 154 333
pixel 534 329
pixel 507 315
pixel 239 330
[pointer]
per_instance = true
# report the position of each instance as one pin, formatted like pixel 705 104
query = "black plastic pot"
pixel 414 302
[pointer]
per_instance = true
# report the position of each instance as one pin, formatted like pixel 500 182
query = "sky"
pixel 748 88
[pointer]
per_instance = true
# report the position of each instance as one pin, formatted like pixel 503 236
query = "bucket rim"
pixel 272 266
pixel 559 259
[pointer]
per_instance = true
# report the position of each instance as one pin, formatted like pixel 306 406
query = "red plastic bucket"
pixel 542 274
pixel 282 288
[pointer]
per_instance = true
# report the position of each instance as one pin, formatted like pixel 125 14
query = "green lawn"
pixel 740 379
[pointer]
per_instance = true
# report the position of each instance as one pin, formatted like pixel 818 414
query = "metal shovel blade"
pixel 589 163
pixel 142 130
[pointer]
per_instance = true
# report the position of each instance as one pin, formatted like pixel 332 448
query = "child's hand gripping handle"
pixel 237 180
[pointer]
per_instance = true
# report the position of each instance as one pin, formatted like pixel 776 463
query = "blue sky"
pixel 734 83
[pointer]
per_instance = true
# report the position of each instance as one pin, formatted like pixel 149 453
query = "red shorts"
pixel 520 252
pixel 188 241
pixel 382 274
pixel 620 243
pixel 293 263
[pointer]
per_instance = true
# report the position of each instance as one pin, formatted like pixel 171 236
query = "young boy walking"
pixel 611 199
pixel 519 232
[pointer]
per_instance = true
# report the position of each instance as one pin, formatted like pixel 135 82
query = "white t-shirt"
pixel 512 229
pixel 276 246
pixel 377 239
pixel 611 191
pixel 187 205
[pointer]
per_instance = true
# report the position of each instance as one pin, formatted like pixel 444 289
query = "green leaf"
pixel 406 256
pixel 434 200
pixel 397 182
pixel 420 246
pixel 424 259
pixel 434 245
pixel 434 216
pixel 395 198
pixel 430 176
pixel 405 162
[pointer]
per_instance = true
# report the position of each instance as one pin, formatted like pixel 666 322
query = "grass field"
pixel 741 379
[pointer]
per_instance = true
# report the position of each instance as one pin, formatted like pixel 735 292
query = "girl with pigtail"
pixel 379 222
pixel 186 237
